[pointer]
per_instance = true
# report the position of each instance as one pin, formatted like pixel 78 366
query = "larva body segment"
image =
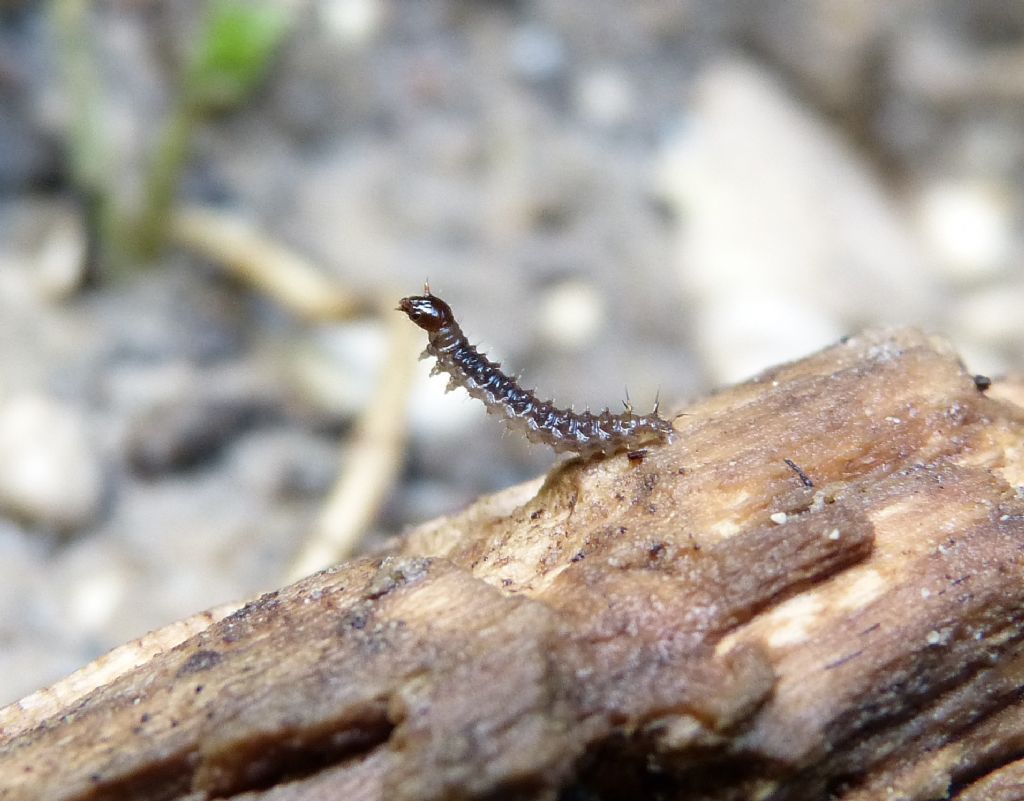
pixel 586 434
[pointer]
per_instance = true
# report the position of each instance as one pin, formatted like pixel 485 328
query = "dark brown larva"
pixel 564 430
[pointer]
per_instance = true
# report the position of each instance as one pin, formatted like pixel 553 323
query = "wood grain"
pixel 700 624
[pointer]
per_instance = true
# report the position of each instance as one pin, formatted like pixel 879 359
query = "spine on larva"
pixel 585 433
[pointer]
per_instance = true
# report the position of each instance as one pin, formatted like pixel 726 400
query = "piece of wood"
pixel 816 591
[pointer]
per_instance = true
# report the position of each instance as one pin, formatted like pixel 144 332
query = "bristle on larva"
pixel 586 434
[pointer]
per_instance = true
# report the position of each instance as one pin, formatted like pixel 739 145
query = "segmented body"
pixel 583 433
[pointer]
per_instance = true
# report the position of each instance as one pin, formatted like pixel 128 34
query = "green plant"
pixel 235 49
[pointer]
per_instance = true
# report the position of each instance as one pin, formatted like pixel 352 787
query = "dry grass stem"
pixel 373 457
pixel 282 274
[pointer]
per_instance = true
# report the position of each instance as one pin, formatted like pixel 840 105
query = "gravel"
pixel 658 195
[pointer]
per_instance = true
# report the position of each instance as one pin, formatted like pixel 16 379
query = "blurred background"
pixel 209 209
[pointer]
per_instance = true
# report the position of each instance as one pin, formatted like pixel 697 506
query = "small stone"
pixel 353 22
pixel 336 368
pixel 777 267
pixel 605 97
pixel 60 263
pixel 52 474
pixel 93 599
pixel 968 226
pixel 571 314
pixel 536 52
pixel 779 518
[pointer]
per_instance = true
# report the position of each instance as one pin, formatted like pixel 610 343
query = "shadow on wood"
pixel 814 591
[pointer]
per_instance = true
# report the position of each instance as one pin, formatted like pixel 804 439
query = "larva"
pixel 541 421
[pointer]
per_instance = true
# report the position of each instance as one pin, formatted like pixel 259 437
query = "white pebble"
pixel 52 475
pixel 570 314
pixel 968 226
pixel 337 367
pixel 789 237
pixel 605 97
pixel 353 22
pixel 536 52
pixel 779 517
pixel 61 258
pixel 94 599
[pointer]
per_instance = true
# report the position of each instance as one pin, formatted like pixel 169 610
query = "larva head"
pixel 429 312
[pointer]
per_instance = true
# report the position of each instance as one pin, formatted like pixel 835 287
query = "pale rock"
pixel 336 369
pixel 536 52
pixel 969 227
pixel 571 314
pixel 60 263
pixel 790 239
pixel 352 22
pixel 52 475
pixel 605 97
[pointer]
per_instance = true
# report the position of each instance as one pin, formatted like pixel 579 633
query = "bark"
pixel 813 592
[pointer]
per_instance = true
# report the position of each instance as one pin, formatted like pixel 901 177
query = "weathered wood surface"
pixel 700 624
